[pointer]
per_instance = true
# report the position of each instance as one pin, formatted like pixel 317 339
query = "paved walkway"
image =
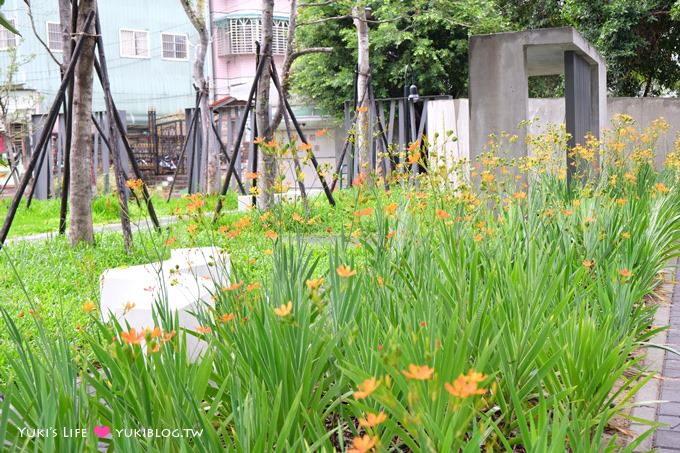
pixel 144 225
pixel 667 439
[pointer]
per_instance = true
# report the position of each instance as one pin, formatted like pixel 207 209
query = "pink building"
pixel 236 28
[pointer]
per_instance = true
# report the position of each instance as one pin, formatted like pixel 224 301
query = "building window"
pixel 174 46
pixel 54 36
pixel 134 44
pixel 238 36
pixel 280 39
pixel 8 39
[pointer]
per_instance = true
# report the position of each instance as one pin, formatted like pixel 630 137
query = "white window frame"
pixel 148 43
pixel 186 40
pixel 47 27
pixel 8 34
pixel 280 36
pixel 234 39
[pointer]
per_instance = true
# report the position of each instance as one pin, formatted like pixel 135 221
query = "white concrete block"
pixel 184 284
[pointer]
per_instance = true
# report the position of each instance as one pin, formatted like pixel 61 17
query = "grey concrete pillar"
pixel 42 188
pixel 498 90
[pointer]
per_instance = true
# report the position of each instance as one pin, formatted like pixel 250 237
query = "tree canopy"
pixel 640 40
pixel 429 36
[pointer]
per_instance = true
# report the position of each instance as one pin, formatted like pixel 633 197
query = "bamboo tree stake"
pixel 286 119
pixel 68 118
pixel 112 115
pixel 239 138
pixel 104 79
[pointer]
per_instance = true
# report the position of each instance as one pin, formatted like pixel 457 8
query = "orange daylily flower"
pixel 253 286
pixel 89 306
pixel 156 348
pixel 360 180
pixel 271 234
pixel 315 283
pixel 268 252
pixel 203 329
pixel 364 212
pixel 391 208
pixel 345 271
pixel 128 306
pixel 466 385
pixel 250 175
pixel 298 218
pixel 362 444
pixel 156 332
pixel 170 241
pixel 132 337
pixel 169 336
pixel 362 109
pixel 625 273
pixel 234 286
pixel 519 195
pixel 421 373
pixel 588 263
pixel 284 310
pixel 258 140
pixel 321 132
pixel 661 187
pixel 304 147
pixel 478 238
pixel 625 235
pixel 391 234
pixel 413 146
pixel 414 158
pixel 134 184
pixel 487 177
pixel 443 214
pixel 227 317
pixel 372 419
pixel 366 388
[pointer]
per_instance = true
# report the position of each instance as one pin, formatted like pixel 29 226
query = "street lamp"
pixel 413 97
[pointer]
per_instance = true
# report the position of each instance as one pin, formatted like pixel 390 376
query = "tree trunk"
pixel 80 187
pixel 65 24
pixel 362 127
pixel 262 106
pixel 210 160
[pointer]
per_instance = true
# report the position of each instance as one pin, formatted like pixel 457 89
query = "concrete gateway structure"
pixel 500 66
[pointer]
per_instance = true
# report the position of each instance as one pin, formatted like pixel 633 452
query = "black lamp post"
pixel 413 97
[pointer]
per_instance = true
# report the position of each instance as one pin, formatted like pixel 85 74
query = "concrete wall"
pixel 546 111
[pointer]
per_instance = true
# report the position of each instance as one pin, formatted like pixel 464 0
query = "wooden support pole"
pixel 104 78
pixel 226 155
pixel 301 134
pixel 286 119
pixel 239 138
pixel 112 118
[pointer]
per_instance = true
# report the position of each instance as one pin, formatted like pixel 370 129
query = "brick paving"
pixel 667 439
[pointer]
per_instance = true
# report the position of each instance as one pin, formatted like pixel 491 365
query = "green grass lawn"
pixel 43 215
